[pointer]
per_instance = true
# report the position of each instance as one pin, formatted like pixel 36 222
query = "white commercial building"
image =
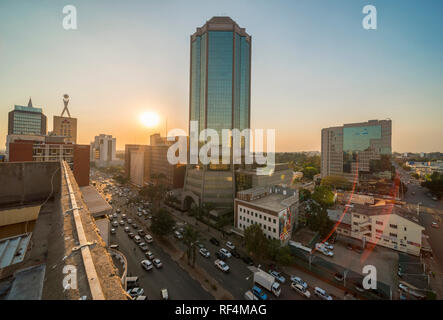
pixel 103 151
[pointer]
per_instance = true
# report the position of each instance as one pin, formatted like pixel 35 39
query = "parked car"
pixel 127 229
pixel 322 294
pixel 137 239
pixel 178 235
pixel 225 252
pixel 135 292
pixel 148 238
pixel 199 244
pixel 131 235
pixel 220 255
pixel 205 253
pixel 122 223
pixel 300 281
pixel 338 276
pixel 220 264
pixel 157 263
pixel 113 231
pixel 118 210
pixel 235 254
pixel 230 245
pixel 259 293
pixel 277 275
pixel 300 289
pixel 328 245
pixel 214 241
pixel 141 232
pixel 248 260
pixel 146 264
pixel 149 255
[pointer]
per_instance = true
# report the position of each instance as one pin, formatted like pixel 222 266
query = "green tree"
pixel 309 172
pixel 323 196
pixel 319 221
pixel 336 182
pixel 162 223
pixel 153 193
pixel 304 194
pixel 190 237
pixel 256 241
pixel 284 256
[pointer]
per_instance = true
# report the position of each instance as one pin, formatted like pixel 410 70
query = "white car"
pixel 225 252
pixel 157 263
pixel 148 238
pixel 300 281
pixel 136 292
pixel 146 264
pixel 300 289
pixel 328 245
pixel 230 245
pixel 322 294
pixel 222 265
pixel 204 252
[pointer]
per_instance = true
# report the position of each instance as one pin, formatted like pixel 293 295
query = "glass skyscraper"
pixel 220 76
pixel 220 85
pixel 26 120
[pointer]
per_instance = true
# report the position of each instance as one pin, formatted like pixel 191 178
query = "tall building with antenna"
pixel 65 126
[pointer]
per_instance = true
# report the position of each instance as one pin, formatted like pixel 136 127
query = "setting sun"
pixel 150 119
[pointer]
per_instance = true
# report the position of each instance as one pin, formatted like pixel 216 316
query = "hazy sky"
pixel 313 65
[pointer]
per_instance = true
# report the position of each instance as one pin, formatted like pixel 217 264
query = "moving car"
pixel 300 281
pixel 137 239
pixel 204 252
pixel 114 246
pixel 435 225
pixel 214 241
pixel 130 221
pixel 220 255
pixel 222 265
pixel 113 231
pixel 143 246
pixel 322 293
pixel 230 245
pixel 225 252
pixel 115 224
pixel 123 216
pixel 122 223
pixel 134 225
pixel 300 289
pixel 259 293
pixel 131 235
pixel 149 255
pixel 328 245
pixel 135 292
pixel 141 232
pixel 164 293
pixel 146 264
pixel 127 229
pixel 277 275
pixel 157 263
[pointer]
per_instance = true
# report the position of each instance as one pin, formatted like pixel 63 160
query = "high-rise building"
pixel 65 126
pixel 355 147
pixel 103 150
pixel 220 85
pixel 26 120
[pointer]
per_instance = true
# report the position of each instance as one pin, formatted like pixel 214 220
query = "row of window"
pixel 260 216
pixel 244 226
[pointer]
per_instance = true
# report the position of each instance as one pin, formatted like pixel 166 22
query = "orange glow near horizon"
pixel 150 119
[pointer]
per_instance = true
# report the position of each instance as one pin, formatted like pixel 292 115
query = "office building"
pixel 273 208
pixel 65 126
pixel 145 162
pixel 103 151
pixel 383 224
pixel 27 120
pixel 354 149
pixel 220 83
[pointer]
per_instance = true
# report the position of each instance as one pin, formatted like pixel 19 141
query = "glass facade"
pixel 27 120
pixel 220 64
pixel 359 138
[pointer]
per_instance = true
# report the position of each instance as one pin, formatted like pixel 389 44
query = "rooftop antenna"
pixel 66 101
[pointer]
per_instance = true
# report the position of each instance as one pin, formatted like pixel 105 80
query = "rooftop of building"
pixel 274 198
pixel 54 237
pixel 221 23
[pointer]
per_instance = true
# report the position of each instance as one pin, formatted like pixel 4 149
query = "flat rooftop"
pixel 96 204
pixel 271 202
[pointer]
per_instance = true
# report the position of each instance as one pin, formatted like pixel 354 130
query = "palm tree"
pixel 190 237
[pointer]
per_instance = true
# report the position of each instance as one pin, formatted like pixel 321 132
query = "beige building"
pixel 382 224
pixel 67 127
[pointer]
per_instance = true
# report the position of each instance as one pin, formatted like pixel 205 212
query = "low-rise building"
pixel 273 208
pixel 387 225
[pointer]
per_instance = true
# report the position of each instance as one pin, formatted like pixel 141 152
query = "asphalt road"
pixel 179 284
